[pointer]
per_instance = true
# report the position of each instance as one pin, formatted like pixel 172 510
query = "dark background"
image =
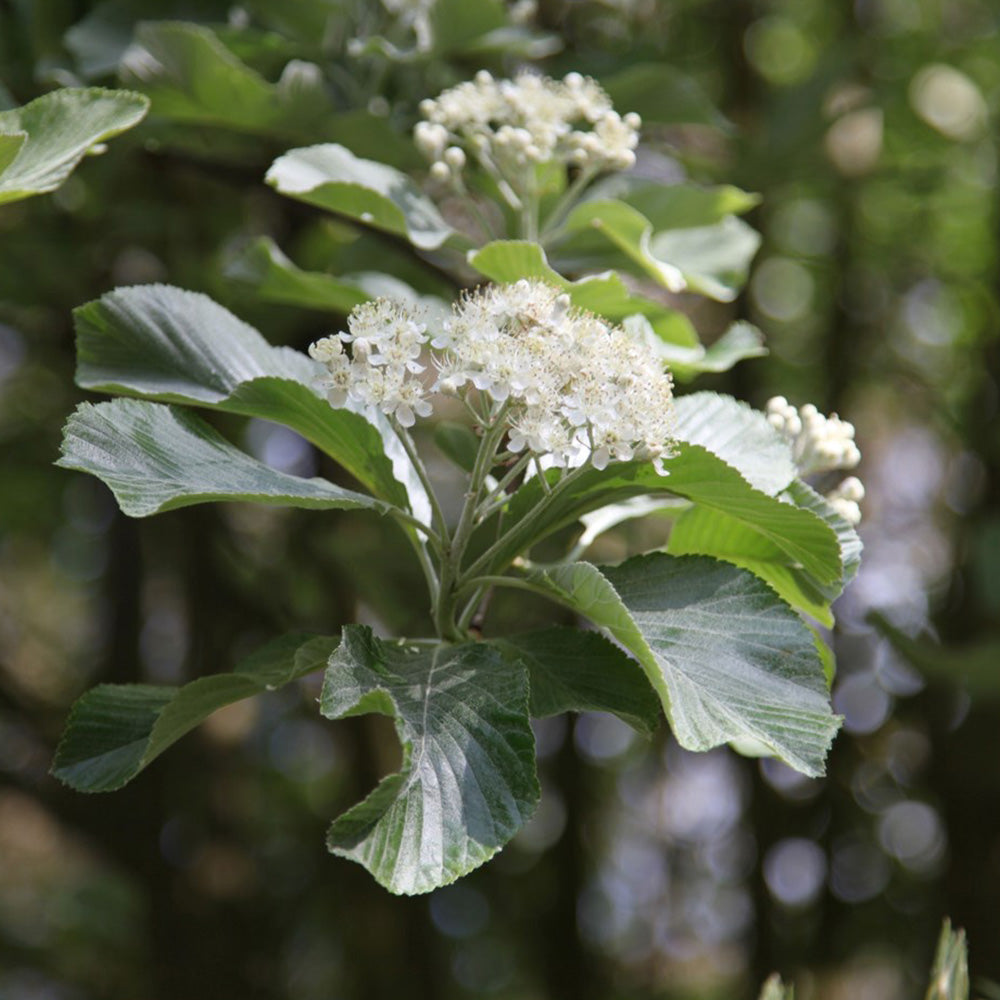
pixel 869 129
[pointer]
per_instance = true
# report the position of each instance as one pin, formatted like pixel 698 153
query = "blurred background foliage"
pixel 869 128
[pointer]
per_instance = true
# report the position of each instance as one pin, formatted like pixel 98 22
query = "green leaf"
pixel 116 730
pixel 740 342
pixel 701 531
pixel 693 473
pixel 167 344
pixel 712 532
pixel 661 93
pixel 468 781
pixel 739 435
pixel 625 228
pixel 950 973
pixel 262 265
pixel 192 77
pixel 157 458
pixel 676 206
pixel 715 260
pixel 712 260
pixel 332 177
pixel 570 670
pixel 729 659
pixel 41 143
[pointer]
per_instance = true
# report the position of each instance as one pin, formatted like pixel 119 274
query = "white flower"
pixel 508 126
pixel 570 387
pixel 821 444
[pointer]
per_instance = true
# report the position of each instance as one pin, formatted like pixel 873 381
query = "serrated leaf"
pixel 192 77
pixel 332 177
pixel 468 781
pixel 570 670
pixel 950 974
pixel 156 458
pixel 739 343
pixel 42 142
pixel 729 659
pixel 661 93
pixel 175 346
pixel 739 435
pixel 701 531
pixel 694 473
pixel 116 730
pixel 713 533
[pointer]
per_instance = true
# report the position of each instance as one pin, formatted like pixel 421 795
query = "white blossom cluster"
pixel 821 444
pixel 569 386
pixel 509 125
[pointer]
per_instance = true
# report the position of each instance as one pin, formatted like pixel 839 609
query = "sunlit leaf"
pixel 176 346
pixel 42 142
pixel 729 659
pixel 468 781
pixel 332 177
pixel 116 730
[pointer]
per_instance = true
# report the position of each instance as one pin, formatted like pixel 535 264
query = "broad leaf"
pixel 675 206
pixel 625 228
pixel 41 143
pixel 694 473
pixel 116 730
pixel 175 346
pixel 192 77
pixel 157 458
pixel 729 659
pixel 275 278
pixel 715 260
pixel 570 670
pixel 740 342
pixel 332 177
pixel 713 533
pixel 739 435
pixel 468 781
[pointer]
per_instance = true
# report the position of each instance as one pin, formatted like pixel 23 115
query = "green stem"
pixel 524 527
pixel 561 209
pixel 411 451
pixel 444 617
pixel 499 492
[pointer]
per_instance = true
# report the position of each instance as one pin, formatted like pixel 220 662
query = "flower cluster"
pixel 568 385
pixel 510 125
pixel 821 444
